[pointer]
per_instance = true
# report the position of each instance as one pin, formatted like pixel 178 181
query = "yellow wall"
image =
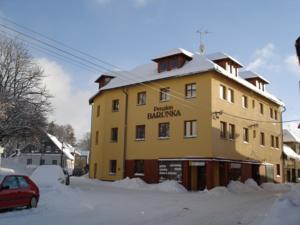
pixel 208 142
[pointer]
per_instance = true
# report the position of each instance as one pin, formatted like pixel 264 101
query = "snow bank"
pixel 5 171
pixel 48 175
pixel 219 191
pixel 238 187
pixel 139 184
pixel 285 210
pixel 277 187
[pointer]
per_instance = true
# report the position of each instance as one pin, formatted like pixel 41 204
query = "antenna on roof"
pixel 202 33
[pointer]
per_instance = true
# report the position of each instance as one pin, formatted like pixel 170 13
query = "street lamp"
pixel 297 45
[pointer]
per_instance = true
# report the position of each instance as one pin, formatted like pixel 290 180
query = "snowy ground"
pixel 131 202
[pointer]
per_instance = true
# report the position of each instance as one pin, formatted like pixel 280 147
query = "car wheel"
pixel 33 203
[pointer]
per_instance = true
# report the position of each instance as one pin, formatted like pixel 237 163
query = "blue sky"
pixel 260 34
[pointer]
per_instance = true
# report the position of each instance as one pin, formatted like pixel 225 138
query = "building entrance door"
pixel 255 173
pixel 294 175
pixel 201 178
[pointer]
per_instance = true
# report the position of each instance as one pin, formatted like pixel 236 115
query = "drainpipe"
pixel 125 91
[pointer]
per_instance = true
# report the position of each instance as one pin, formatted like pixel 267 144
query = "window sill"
pixel 140 139
pixel 115 110
pixel 112 174
pixel 139 174
pixel 163 138
pixel 162 101
pixel 189 137
pixel 246 142
pixel 262 146
pixel 113 142
pixel 140 104
pixel 190 97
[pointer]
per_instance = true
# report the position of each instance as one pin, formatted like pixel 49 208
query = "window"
pixel 272 141
pixel 254 133
pixel 190 129
pixel 277 142
pixel 42 161
pixel 98 110
pixel 223 92
pixel 29 161
pixel 22 182
pixel 231 95
pixel 164 94
pixel 114 134
pixel 164 130
pixel 190 90
pixel 253 103
pixel 54 162
pixel 139 167
pixel 97 137
pixel 271 113
pixel 140 132
pixel 275 114
pixel 173 63
pixel 163 66
pixel 261 107
pixel 223 128
pixel 115 105
pixel 245 101
pixel 231 130
pixel 246 135
pixel 262 138
pixel 141 98
pixel 112 166
pixel 278 169
pixel 11 182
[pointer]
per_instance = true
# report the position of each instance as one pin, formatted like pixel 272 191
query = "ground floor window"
pixel 112 166
pixel 140 132
pixel 139 167
pixel 164 130
pixel 54 162
pixel 278 169
pixel 29 161
pixel 235 172
pixel 42 162
pixel 170 170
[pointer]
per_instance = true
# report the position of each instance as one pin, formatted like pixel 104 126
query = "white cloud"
pixel 262 57
pixel 70 105
pixel 292 64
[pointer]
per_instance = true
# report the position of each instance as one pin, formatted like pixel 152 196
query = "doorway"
pixel 201 178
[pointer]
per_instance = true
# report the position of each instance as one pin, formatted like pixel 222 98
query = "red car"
pixel 18 191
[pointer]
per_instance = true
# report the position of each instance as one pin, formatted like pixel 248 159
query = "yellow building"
pixel 188 117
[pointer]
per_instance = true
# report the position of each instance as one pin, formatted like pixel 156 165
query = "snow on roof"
pixel 289 152
pixel 199 64
pixel 290 135
pixel 222 55
pixel 247 74
pixel 175 51
pixel 66 147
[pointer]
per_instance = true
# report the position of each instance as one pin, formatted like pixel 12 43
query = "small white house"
pixel 50 151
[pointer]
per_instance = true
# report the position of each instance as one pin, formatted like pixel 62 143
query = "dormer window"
pixel 255 79
pixel 174 59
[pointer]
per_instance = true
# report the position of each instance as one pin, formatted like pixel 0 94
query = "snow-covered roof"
pixel 290 135
pixel 175 51
pixel 222 55
pixel 289 152
pixel 199 64
pixel 64 147
pixel 247 74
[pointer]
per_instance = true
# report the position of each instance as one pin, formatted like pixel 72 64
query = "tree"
pixel 24 100
pixel 64 133
pixel 84 143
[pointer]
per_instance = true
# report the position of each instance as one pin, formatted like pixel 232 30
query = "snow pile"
pixel 139 184
pixel 277 187
pixel 285 210
pixel 251 183
pixel 134 183
pixel 169 186
pixel 48 176
pixel 219 191
pixel 238 187
pixel 5 171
